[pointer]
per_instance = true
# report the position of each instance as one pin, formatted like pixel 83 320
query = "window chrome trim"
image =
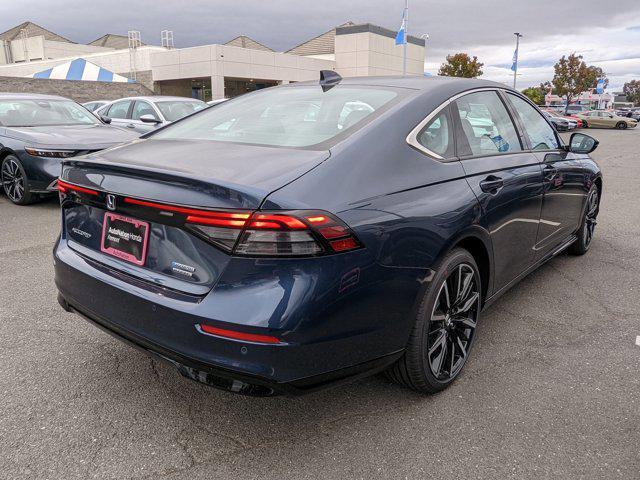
pixel 412 138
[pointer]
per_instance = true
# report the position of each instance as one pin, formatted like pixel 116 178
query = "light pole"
pixel 425 37
pixel 515 63
pixel 404 47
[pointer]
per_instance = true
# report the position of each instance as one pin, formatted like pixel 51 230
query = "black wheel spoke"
pixel 438 352
pixel 463 350
pixel 468 322
pixel 453 358
pixel 446 294
pixel 469 303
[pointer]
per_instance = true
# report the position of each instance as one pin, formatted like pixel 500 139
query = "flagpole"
pixel 404 47
pixel 515 71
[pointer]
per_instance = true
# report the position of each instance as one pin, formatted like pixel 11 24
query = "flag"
pixel 600 86
pixel 401 37
pixel 514 65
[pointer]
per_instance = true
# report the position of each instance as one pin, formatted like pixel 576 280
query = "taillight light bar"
pixel 64 187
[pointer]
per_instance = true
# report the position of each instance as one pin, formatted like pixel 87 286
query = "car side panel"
pixel 511 213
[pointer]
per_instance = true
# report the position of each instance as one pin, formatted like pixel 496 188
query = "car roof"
pixel 30 96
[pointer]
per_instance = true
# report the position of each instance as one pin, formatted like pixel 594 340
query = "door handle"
pixel 491 184
pixel 131 125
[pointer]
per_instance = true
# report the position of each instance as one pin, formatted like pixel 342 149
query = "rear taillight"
pixel 297 233
pixel 286 234
pixel 64 187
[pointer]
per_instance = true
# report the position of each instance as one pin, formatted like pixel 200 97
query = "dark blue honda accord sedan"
pixel 308 234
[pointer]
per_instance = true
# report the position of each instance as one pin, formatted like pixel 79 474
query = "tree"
pixel 535 94
pixel 573 76
pixel 461 65
pixel 632 91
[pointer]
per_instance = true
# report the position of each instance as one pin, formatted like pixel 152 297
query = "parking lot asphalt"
pixel 552 389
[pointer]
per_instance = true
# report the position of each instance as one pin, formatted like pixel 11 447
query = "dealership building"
pixel 216 70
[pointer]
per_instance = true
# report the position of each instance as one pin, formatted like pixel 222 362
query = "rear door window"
pixel 119 109
pixel 486 125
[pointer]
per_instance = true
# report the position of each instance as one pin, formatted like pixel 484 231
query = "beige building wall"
pixel 371 54
pixel 53 49
pixel 27 49
pixel 220 61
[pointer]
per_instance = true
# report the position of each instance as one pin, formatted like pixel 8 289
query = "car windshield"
pixel 175 110
pixel 40 113
pixel 300 116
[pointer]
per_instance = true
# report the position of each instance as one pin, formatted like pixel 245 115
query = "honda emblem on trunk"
pixel 111 201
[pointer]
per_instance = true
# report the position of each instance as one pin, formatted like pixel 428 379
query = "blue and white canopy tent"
pixel 80 69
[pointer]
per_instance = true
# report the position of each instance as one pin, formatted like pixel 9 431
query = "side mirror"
pixel 581 143
pixel 148 118
pixel 105 119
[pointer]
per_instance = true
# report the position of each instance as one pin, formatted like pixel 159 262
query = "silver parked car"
pixel 144 114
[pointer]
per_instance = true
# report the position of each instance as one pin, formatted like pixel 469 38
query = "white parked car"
pixel 144 114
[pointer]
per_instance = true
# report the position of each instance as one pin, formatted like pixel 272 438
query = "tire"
pixel 588 224
pixel 14 181
pixel 427 365
pixel 621 125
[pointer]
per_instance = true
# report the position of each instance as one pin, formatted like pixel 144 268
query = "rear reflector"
pixel 235 335
pixel 344 244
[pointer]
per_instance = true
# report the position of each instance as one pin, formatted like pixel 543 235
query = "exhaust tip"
pixel 228 384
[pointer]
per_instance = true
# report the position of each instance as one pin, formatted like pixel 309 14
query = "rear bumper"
pixel 354 335
pixel 229 380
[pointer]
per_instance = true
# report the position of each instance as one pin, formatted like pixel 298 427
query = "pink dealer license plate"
pixel 125 238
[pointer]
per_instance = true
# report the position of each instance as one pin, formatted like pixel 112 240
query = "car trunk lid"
pixel 127 207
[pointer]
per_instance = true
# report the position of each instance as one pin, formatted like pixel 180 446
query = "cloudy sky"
pixel 606 34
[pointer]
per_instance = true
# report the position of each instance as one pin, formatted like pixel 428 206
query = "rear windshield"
pixel 284 117
pixel 176 110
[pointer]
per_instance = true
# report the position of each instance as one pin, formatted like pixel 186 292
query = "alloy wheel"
pixel 453 323
pixel 13 180
pixel 590 220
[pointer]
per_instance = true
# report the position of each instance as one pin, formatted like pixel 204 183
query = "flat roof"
pixel 371 28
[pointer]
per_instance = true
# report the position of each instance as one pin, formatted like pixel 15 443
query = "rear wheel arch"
pixel 480 252
pixel 477 242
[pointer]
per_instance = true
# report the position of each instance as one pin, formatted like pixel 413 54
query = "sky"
pixel 607 35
